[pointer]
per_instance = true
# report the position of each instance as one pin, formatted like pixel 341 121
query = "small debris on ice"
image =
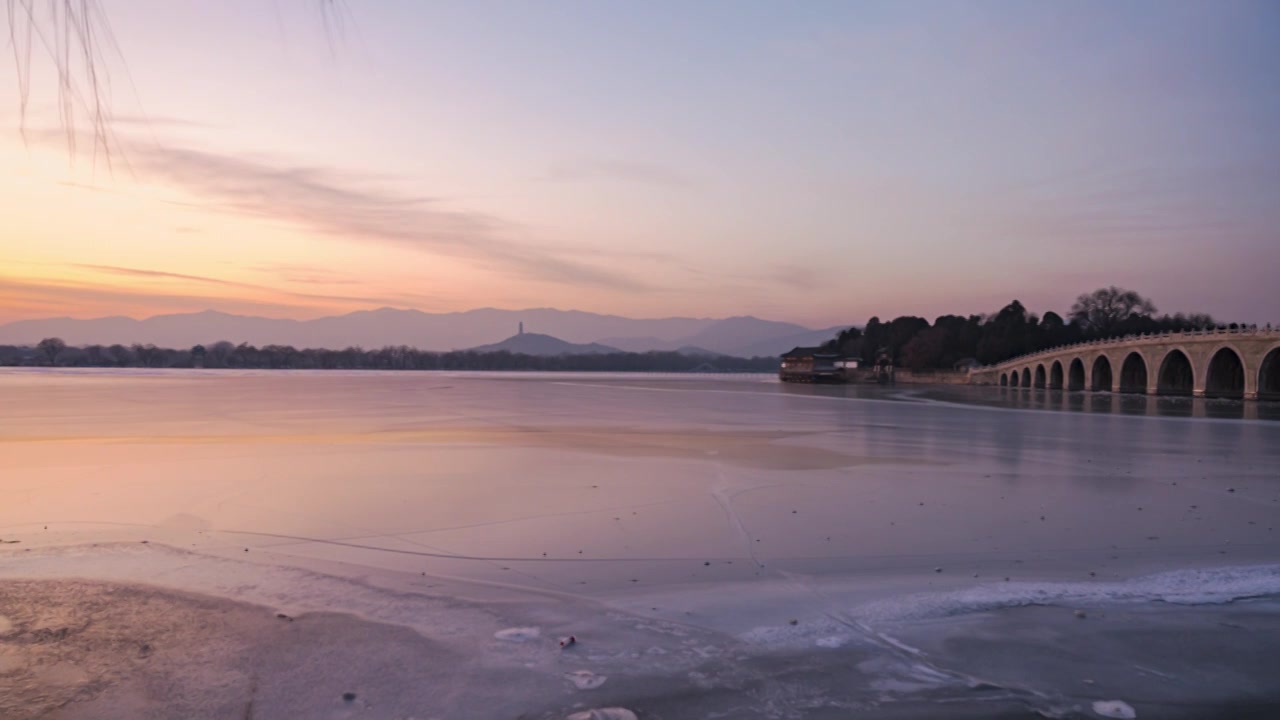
pixel 568 641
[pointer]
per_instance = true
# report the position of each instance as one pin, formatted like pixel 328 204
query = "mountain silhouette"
pixel 538 344
pixel 737 336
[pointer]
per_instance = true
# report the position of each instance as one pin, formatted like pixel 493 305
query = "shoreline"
pixel 74 649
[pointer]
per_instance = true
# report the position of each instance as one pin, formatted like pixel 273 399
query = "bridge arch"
pixel 1177 376
pixel 1241 362
pixel 1269 375
pixel 1101 374
pixel 1075 375
pixel 1133 373
pixel 1225 374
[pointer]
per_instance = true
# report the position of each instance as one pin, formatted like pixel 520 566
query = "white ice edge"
pixel 294 589
pixel 868 620
pixel 1204 586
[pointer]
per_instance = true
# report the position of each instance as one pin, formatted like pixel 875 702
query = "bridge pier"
pixel 1252 376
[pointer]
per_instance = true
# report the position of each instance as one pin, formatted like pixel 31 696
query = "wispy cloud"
pixel 140 272
pixel 1113 205
pixel 74 297
pixel 793 276
pixel 343 205
pixel 155 122
pixel 393 299
pixel 621 170
pixel 306 274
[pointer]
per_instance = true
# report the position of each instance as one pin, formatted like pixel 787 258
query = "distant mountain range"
pixel 736 336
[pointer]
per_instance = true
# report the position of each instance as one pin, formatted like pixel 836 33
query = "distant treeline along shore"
pixel 913 342
pixel 53 351
pixel 954 341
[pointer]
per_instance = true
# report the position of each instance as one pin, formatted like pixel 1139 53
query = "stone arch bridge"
pixel 1203 363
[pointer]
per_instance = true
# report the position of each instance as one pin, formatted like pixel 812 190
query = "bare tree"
pixel 76 37
pixel 51 348
pixel 1103 310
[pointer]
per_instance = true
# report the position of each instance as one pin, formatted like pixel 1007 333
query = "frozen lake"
pixel 721 546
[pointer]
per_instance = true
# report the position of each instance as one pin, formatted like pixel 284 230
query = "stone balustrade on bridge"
pixel 1242 363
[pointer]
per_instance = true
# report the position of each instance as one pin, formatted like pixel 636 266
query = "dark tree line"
pixel 54 352
pixel 952 340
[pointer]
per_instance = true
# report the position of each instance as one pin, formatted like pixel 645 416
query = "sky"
pixel 816 162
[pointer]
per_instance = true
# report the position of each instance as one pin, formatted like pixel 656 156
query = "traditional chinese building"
pixel 810 364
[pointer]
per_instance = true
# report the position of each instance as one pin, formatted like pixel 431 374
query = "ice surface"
pixel 730 547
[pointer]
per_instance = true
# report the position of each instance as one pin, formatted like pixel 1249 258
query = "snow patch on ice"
pixel 801 634
pixel 614 713
pixel 1182 587
pixel 1115 709
pixel 518 634
pixel 585 679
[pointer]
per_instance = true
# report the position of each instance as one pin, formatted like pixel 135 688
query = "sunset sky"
pixel 818 162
